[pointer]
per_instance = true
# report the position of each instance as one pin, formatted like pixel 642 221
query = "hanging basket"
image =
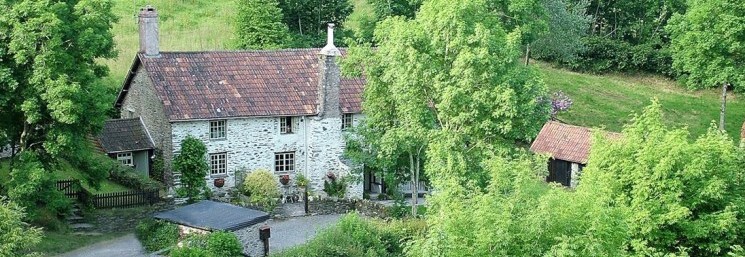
pixel 284 179
pixel 219 182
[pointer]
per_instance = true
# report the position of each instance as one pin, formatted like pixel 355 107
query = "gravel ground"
pixel 126 246
pixel 296 231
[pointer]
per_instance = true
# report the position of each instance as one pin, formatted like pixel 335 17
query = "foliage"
pixel 302 181
pixel 560 102
pixel 708 43
pixel 32 188
pixel 357 236
pixel 308 19
pixel 628 36
pixel 16 237
pixel 128 177
pixel 335 186
pixel 192 164
pixel 156 235
pixel 215 244
pixel 683 196
pixel 367 13
pixel 262 188
pixel 259 25
pixel 158 169
pixel 567 26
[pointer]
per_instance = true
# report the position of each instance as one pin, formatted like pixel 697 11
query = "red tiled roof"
pixel 195 85
pixel 565 142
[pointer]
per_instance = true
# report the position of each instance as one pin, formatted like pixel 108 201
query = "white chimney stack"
pixel 330 49
pixel 148 21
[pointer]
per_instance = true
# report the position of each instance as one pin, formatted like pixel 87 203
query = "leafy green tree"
pixel 16 237
pixel 51 97
pixel 684 197
pixel 308 19
pixel 259 25
pixel 367 13
pixel 567 26
pixel 192 164
pixel 708 46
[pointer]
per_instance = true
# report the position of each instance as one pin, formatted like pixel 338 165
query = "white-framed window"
pixel 125 158
pixel 346 121
pixel 218 163
pixel 217 129
pixel 285 125
pixel 284 162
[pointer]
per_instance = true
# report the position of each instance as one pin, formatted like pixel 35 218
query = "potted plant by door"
pixel 284 179
pixel 219 182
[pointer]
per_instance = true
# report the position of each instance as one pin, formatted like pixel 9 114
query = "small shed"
pixel 129 142
pixel 207 216
pixel 569 148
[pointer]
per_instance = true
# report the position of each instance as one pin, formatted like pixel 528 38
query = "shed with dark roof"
pixel 129 142
pixel 568 146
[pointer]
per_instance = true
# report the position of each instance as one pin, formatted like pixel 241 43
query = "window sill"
pixel 219 139
pixel 224 175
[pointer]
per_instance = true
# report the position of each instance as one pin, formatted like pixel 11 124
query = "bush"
pixel 262 188
pixel 127 177
pixel 156 235
pixel 355 236
pixel 216 244
pixel 192 164
pixel 334 186
pixel 189 252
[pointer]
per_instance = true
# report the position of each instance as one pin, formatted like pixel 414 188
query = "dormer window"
pixel 217 129
pixel 285 125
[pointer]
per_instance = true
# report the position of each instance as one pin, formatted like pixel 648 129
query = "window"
pixel 284 162
pixel 285 125
pixel 125 158
pixel 217 129
pixel 218 163
pixel 346 121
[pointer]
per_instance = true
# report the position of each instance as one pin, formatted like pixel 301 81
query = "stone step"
pixel 87 234
pixel 74 218
pixel 78 227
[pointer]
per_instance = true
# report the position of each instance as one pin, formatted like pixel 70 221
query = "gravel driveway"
pixel 296 231
pixel 125 246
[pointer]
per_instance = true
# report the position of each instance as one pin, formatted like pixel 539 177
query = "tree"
pixel 684 197
pixel 51 97
pixel 567 26
pixel 367 13
pixel 308 19
pixel 259 25
pixel 16 237
pixel 708 46
pixel 193 166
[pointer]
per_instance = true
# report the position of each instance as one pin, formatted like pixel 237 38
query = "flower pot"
pixel 219 182
pixel 284 179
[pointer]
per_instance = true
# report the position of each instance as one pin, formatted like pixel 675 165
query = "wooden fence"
pixel 73 190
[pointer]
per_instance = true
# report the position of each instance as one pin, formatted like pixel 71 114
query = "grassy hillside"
pixel 599 101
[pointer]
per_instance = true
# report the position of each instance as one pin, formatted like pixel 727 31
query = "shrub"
pixel 216 244
pixel 15 235
pixel 262 188
pixel 127 177
pixel 334 186
pixel 355 236
pixel 156 235
pixel 192 164
pixel 188 252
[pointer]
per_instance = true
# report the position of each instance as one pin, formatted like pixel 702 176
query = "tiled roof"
pixel 124 135
pixel 210 215
pixel 565 142
pixel 216 84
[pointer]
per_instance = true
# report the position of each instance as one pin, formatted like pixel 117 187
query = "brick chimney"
pixel 329 79
pixel 148 21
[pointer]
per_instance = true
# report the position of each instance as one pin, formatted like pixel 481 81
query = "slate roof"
pixel 124 135
pixel 195 85
pixel 565 142
pixel 210 215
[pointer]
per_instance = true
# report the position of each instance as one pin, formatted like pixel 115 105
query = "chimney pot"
pixel 330 49
pixel 148 21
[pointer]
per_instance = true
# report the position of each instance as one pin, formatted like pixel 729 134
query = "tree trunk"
pixel 23 141
pixel 527 54
pixel 413 199
pixel 724 107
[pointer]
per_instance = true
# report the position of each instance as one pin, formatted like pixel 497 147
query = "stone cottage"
pixel 568 148
pixel 280 110
pixel 128 142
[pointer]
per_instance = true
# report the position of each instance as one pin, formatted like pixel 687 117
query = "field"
pixel 599 101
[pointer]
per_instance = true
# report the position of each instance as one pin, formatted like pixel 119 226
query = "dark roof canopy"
pixel 220 84
pixel 125 135
pixel 565 142
pixel 210 215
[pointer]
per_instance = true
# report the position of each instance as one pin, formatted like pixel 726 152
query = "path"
pixel 296 231
pixel 125 246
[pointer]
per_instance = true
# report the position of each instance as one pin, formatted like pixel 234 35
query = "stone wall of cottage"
pixel 142 101
pixel 251 143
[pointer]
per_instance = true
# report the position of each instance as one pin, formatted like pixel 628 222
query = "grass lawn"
pixel 610 100
pixel 55 242
pixel 68 172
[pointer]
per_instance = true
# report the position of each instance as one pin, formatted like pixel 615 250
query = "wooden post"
pixel 264 235
pixel 305 200
pixel 724 107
